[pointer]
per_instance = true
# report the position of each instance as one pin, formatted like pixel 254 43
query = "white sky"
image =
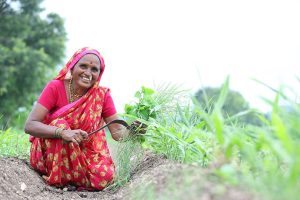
pixel 190 42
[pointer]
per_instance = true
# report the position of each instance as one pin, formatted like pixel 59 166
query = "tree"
pixel 30 49
pixel 234 103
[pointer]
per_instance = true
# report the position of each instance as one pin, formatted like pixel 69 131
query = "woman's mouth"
pixel 86 79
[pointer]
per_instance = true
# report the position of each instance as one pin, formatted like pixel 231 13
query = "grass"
pixel 14 143
pixel 265 158
pixel 127 154
pixel 128 157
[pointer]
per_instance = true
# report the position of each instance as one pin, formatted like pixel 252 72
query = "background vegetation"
pixel 263 157
pixel 30 49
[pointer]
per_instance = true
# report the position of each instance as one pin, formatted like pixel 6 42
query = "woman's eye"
pixel 83 66
pixel 94 69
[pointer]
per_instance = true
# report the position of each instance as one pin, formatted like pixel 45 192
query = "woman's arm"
pixel 117 131
pixel 35 127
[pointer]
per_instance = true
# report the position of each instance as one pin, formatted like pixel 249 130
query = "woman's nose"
pixel 88 71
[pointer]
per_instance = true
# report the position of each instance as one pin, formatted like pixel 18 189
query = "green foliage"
pixel 30 49
pixel 14 143
pixel 181 136
pixel 146 106
pixel 233 104
pixel 150 103
pixel 265 157
pixel 128 156
pixel 173 128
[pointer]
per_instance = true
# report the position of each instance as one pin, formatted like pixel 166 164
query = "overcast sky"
pixel 190 42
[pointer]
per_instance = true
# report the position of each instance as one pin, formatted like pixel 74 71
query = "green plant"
pixel 128 157
pixel 267 157
pixel 174 129
pixel 146 107
pixel 14 144
pixel 264 157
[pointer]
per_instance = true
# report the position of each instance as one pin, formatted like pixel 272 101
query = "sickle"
pixel 118 121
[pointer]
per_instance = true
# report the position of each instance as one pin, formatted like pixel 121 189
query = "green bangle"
pixel 57 132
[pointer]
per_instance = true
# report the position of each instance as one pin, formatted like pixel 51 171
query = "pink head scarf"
pixel 65 72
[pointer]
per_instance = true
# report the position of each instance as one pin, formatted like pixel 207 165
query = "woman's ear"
pixel 69 74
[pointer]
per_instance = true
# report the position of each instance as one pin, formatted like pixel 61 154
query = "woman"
pixel 71 106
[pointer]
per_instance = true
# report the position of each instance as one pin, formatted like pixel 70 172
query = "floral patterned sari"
pixel 88 165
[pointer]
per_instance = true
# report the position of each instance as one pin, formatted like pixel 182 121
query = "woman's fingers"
pixel 80 135
pixel 83 134
pixel 138 127
pixel 74 141
pixel 75 136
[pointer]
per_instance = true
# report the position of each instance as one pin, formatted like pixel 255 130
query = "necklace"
pixel 72 93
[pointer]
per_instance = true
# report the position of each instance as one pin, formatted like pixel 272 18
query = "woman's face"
pixel 86 71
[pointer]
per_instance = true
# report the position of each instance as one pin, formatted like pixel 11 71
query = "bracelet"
pixel 57 132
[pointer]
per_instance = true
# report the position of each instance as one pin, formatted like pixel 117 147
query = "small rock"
pixel 82 195
pixel 23 186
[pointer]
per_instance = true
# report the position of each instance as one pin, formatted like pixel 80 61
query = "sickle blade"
pixel 118 121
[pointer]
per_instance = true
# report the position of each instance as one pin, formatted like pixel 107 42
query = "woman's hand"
pixel 118 131
pixel 138 127
pixel 75 136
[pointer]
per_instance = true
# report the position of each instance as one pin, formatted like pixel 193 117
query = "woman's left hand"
pixel 137 127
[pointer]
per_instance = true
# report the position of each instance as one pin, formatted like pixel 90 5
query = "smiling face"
pixel 86 72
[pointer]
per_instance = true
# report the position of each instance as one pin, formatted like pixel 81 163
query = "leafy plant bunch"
pixel 151 106
pixel 142 110
pixel 146 106
pixel 171 124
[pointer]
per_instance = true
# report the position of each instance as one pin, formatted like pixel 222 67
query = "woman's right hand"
pixel 75 136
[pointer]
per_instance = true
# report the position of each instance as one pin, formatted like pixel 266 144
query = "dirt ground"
pixel 155 178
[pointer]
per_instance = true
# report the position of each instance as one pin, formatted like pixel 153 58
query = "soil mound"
pixel 155 178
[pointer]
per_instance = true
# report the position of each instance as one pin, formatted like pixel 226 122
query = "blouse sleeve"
pixel 109 108
pixel 48 96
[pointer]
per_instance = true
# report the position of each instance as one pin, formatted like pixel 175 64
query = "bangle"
pixel 57 132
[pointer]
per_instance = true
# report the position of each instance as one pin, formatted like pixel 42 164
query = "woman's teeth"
pixel 87 78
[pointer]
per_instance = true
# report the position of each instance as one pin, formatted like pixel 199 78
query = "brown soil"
pixel 155 178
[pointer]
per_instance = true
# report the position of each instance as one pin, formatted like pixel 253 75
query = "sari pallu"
pixel 87 165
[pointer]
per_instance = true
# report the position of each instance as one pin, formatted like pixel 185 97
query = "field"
pixel 188 152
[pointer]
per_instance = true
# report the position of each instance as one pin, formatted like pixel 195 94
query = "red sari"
pixel 88 165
